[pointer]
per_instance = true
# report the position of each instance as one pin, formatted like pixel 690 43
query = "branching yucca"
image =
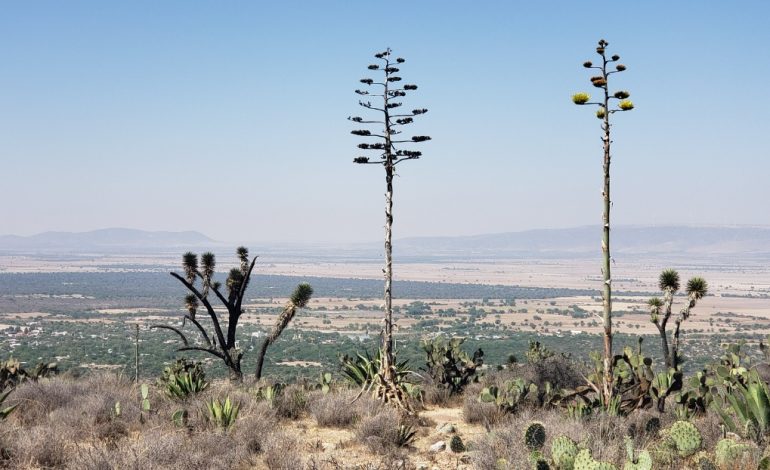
pixel 385 140
pixel 298 299
pixel 660 310
pixel 220 343
pixel 604 111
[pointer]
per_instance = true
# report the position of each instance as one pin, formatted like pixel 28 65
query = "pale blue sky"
pixel 230 117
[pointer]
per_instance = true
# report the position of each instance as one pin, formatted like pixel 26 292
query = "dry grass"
pixel 65 423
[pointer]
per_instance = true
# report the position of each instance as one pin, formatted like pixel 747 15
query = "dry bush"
pixel 558 370
pixel 39 446
pixel 343 408
pixel 379 430
pixel 475 412
pixel 435 394
pixel 292 403
pixel 281 452
pixel 252 430
pixel 507 442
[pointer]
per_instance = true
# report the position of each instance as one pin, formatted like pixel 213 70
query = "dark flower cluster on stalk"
pixel 387 94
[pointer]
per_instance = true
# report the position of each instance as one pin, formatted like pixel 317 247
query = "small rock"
pixel 446 428
pixel 422 467
pixel 465 459
pixel 438 446
pixel 327 446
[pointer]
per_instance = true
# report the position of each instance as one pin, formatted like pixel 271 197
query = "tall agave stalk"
pixel 388 145
pixel 604 111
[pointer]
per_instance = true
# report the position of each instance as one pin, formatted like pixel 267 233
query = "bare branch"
pixel 210 351
pixel 209 308
pixel 175 330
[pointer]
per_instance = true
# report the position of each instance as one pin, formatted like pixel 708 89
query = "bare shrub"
pixel 40 446
pixel 601 434
pixel 476 412
pixel 281 452
pixel 558 370
pixel 380 431
pixel 434 394
pixel 252 430
pixel 292 403
pixel 335 409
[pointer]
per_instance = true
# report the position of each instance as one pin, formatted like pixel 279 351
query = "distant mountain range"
pixel 105 240
pixel 569 242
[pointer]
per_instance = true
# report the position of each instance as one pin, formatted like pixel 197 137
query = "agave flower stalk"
pixel 604 111
pixel 386 142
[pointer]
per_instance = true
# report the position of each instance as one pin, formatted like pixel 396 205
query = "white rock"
pixel 438 446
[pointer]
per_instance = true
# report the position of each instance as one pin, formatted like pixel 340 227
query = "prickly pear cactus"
pixel 643 461
pixel 534 436
pixel 584 461
pixel 603 466
pixel 729 453
pixel 686 437
pixel 563 452
pixel 456 445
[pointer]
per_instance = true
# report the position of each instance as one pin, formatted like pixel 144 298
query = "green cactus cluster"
pixel 515 392
pixel 182 379
pixel 450 366
pixel 685 437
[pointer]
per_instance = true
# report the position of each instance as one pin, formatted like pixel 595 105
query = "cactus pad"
pixel 643 462
pixel 584 461
pixel 456 445
pixel 728 453
pixel 534 436
pixel 563 452
pixel 686 437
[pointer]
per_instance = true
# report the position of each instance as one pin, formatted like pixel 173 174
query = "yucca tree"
pixel 660 310
pixel 606 108
pixel 298 299
pixel 221 342
pixel 384 132
pixel 696 289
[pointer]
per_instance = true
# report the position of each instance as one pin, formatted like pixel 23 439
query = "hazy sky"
pixel 230 117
